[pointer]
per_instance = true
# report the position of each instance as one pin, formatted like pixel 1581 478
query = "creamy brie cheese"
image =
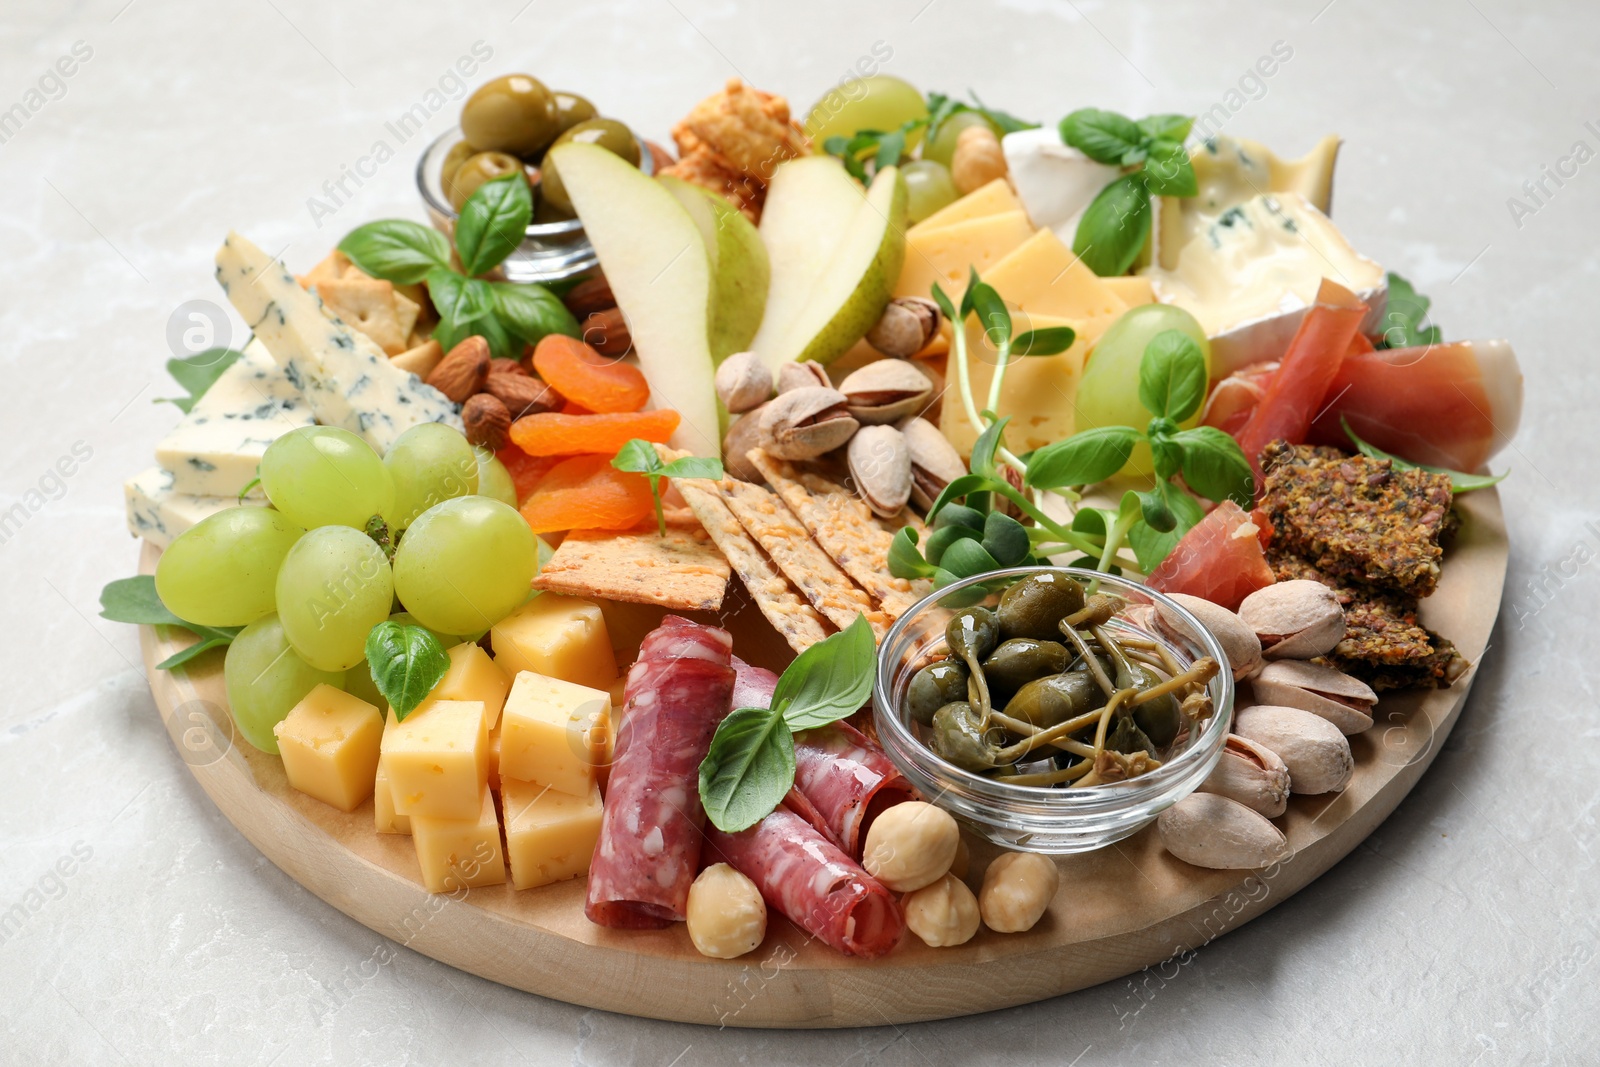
pixel 1054 181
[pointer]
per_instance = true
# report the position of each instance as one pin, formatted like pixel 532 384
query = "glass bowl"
pixel 549 250
pixel 1045 819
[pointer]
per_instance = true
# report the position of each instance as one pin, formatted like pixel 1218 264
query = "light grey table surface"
pixel 1462 932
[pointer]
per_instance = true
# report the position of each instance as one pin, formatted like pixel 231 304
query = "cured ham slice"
pixel 816 886
pixel 1219 559
pixel 652 827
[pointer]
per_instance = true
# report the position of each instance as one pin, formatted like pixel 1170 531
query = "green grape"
pixel 881 102
pixel 943 146
pixel 334 587
pixel 405 618
pixel 265 680
pixel 358 683
pixel 928 188
pixel 1108 393
pixel 221 571
pixel 429 463
pixel 325 476
pixel 494 481
pixel 465 564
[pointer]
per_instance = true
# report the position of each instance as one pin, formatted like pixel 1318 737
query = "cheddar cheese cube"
pixel 473 676
pixel 329 743
pixel 460 854
pixel 437 759
pixel 554 733
pixel 384 818
pixel 550 835
pixel 557 636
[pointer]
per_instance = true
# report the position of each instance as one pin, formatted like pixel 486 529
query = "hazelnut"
pixel 911 845
pixel 726 915
pixel 944 913
pixel 1017 888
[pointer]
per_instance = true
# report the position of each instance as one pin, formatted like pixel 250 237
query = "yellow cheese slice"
pixel 948 254
pixel 1042 277
pixel 996 198
pixel 1131 289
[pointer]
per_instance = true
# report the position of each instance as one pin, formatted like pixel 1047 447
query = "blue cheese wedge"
pixel 158 513
pixel 346 378
pixel 217 447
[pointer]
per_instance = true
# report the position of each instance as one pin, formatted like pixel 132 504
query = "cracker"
pixel 373 307
pixel 682 571
pixel 845 527
pixel 421 358
pixel 332 267
pixel 802 560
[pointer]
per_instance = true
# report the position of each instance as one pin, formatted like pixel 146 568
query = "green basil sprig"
pixel 941 108
pixel 750 766
pixel 1116 223
pixel 492 223
pixel 640 457
pixel 1460 481
pixel 406 663
pixel 135 600
pixel 1403 319
pixel 196 374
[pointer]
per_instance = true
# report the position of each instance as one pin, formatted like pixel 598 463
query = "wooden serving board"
pixel 1119 910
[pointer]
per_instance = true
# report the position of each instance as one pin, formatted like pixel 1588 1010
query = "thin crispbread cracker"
pixel 785 538
pixel 373 307
pixel 846 529
pixel 682 571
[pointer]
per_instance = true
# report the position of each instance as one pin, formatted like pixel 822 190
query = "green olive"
pixel 1035 606
pixel 1056 698
pixel 957 738
pixel 609 134
pixel 544 212
pixel 515 114
pixel 1159 718
pixel 572 109
pixel 933 687
pixel 459 153
pixel 483 167
pixel 1020 660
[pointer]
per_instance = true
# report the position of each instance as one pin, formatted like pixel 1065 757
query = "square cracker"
pixel 682 571
pixel 420 358
pixel 373 307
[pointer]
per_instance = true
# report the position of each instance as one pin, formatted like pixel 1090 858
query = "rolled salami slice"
pixel 651 829
pixel 817 887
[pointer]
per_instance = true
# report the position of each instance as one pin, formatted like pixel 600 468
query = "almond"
pixel 507 366
pixel 487 421
pixel 463 370
pixel 522 394
pixel 590 295
pixel 607 332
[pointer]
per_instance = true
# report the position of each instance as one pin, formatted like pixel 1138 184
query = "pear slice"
pixel 836 254
pixel 739 270
pixel 660 273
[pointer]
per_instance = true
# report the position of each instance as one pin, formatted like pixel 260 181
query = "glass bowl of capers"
pixel 1044 707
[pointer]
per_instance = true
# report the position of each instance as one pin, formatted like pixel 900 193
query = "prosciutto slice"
pixel 811 882
pixel 651 829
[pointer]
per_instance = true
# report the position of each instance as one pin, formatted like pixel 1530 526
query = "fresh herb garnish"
pixel 640 457
pixel 197 373
pixel 507 315
pixel 941 108
pixel 1404 318
pixel 1460 481
pixel 406 663
pixel 749 768
pixel 135 600
pixel 868 151
pixel 1116 223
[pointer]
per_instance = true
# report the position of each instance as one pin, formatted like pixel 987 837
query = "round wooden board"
pixel 1119 910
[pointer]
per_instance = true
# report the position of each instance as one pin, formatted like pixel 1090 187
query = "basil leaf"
pixel 1002 121
pixel 748 770
pixel 1166 127
pixel 1215 466
pixel 1150 546
pixel 694 467
pixel 968 558
pixel 134 600
pixel 891 146
pixel 1172 375
pixel 830 680
pixel 466 307
pixel 397 250
pixel 940 540
pixel 1168 171
pixel 197 373
pixel 904 559
pixel 406 663
pixel 1460 481
pixel 1006 539
pixel 1050 341
pixel 1407 311
pixel 1082 459
pixel 493 222
pixel 1103 136
pixel 530 312
pixel 1114 227
pixel 1166 454
pixel 637 457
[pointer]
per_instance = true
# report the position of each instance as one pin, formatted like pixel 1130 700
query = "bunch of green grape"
pixel 430 530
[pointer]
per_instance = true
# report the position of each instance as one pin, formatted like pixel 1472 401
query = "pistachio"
pixel 743 435
pixel 792 376
pixel 881 468
pixel 1317 754
pixel 1209 830
pixel 906 326
pixel 1252 774
pixel 743 382
pixel 805 423
pixel 1296 619
pixel 1344 701
pixel 885 390
pixel 935 463
pixel 1237 640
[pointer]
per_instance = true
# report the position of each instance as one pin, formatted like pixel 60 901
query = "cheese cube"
pixel 460 854
pixel 557 636
pixel 437 759
pixel 947 254
pixel 473 676
pixel 996 198
pixel 1131 289
pixel 1042 277
pixel 384 818
pixel 554 733
pixel 329 744
pixel 550 835
pixel 494 760
pixel 1039 393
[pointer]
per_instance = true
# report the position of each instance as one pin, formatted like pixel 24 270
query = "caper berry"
pixel 1035 605
pixel 933 687
pixel 1020 660
pixel 1056 698
pixel 1159 718
pixel 957 738
pixel 971 634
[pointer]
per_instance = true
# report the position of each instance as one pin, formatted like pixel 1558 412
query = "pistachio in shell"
pixel 1317 754
pixel 1212 831
pixel 1238 641
pixel 1252 774
pixel 805 423
pixel 880 466
pixel 1344 701
pixel 906 326
pixel 806 375
pixel 743 382
pixel 743 435
pixel 1297 619
pixel 935 463
pixel 885 390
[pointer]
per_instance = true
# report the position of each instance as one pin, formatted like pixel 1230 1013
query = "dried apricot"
pixel 588 379
pixel 550 433
pixel 569 408
pixel 525 470
pixel 588 493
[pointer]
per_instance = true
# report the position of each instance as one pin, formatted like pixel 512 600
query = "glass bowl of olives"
pixel 1046 709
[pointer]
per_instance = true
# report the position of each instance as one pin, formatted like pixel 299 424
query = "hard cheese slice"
pixel 345 376
pixel 158 513
pixel 214 451
pixel 947 255
pixel 996 198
